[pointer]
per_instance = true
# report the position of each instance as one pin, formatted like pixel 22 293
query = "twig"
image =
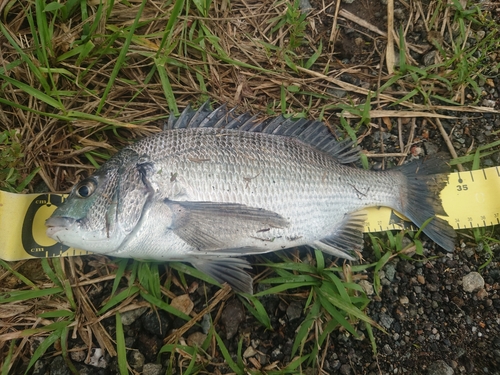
pixel 386 155
pixel 389 53
pixel 333 33
pixel 449 144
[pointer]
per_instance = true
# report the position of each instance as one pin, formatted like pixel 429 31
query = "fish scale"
pixel 213 187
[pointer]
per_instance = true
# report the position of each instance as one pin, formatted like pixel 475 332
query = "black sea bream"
pixel 214 186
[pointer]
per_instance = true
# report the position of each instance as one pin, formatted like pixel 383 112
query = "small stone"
pixel 149 345
pixel 59 367
pixel 359 41
pixel 400 14
pixel 276 355
pixel 206 323
pixel 367 287
pixel 39 368
pixel 249 352
pixel 387 349
pixel 488 103
pixel 232 316
pixel 404 300
pixel 85 370
pixel 386 321
pixel 128 317
pixel 431 58
pixel 156 323
pixel 294 311
pixel 196 339
pixel 468 251
pixel 78 355
pixel 97 359
pixel 472 281
pixel 481 294
pixel 183 303
pixel 345 369
pixel 136 360
pixel 339 93
pixel 305 6
pixel 421 279
pixel 440 368
pixel 390 272
pixel 152 369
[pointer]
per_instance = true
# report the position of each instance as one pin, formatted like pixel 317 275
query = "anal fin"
pixel 346 238
pixel 226 270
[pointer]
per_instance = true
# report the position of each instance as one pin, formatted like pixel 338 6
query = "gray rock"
pixel 305 6
pixel 390 272
pixel 440 368
pixel 400 14
pixel 345 369
pixel 97 359
pixel 196 339
pixel 294 311
pixel 58 367
pixel 367 287
pixel 152 369
pixel 206 323
pixel 488 103
pixel 431 58
pixel 84 370
pixel 39 367
pixel 386 321
pixel 249 352
pixel 232 316
pixel 128 317
pixel 156 323
pixel 339 93
pixel 472 281
pixel 387 349
pixel 136 360
pixel 78 355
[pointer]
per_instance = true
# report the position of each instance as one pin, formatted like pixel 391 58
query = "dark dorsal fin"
pixel 311 132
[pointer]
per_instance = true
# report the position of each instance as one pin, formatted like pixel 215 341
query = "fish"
pixel 214 186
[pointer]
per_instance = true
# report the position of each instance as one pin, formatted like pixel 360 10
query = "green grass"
pixel 11 163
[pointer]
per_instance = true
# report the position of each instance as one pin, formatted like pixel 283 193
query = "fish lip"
pixel 58 223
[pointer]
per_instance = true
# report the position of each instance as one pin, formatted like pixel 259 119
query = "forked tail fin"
pixel 425 180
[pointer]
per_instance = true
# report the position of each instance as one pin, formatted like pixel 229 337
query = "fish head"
pixel 103 209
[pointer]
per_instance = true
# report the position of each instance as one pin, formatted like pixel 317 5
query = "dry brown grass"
pixel 242 63
pixel 244 33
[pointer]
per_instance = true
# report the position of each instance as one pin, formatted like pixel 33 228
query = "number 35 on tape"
pixel 471 198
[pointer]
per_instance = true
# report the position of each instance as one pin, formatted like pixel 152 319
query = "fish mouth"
pixel 57 224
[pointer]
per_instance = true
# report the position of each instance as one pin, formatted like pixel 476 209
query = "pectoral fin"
pixel 219 226
pixel 346 238
pixel 226 270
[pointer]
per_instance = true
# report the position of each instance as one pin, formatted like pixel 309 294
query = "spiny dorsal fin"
pixel 311 132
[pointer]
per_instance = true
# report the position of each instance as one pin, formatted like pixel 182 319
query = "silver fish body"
pixel 213 187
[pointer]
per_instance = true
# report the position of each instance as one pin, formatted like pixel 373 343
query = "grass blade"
pixel 121 58
pixel 120 346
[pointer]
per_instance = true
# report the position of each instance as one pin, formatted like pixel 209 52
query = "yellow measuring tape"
pixel 470 200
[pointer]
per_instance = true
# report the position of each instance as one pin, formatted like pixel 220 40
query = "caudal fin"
pixel 426 178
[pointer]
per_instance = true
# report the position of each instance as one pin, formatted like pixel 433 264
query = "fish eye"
pixel 85 188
